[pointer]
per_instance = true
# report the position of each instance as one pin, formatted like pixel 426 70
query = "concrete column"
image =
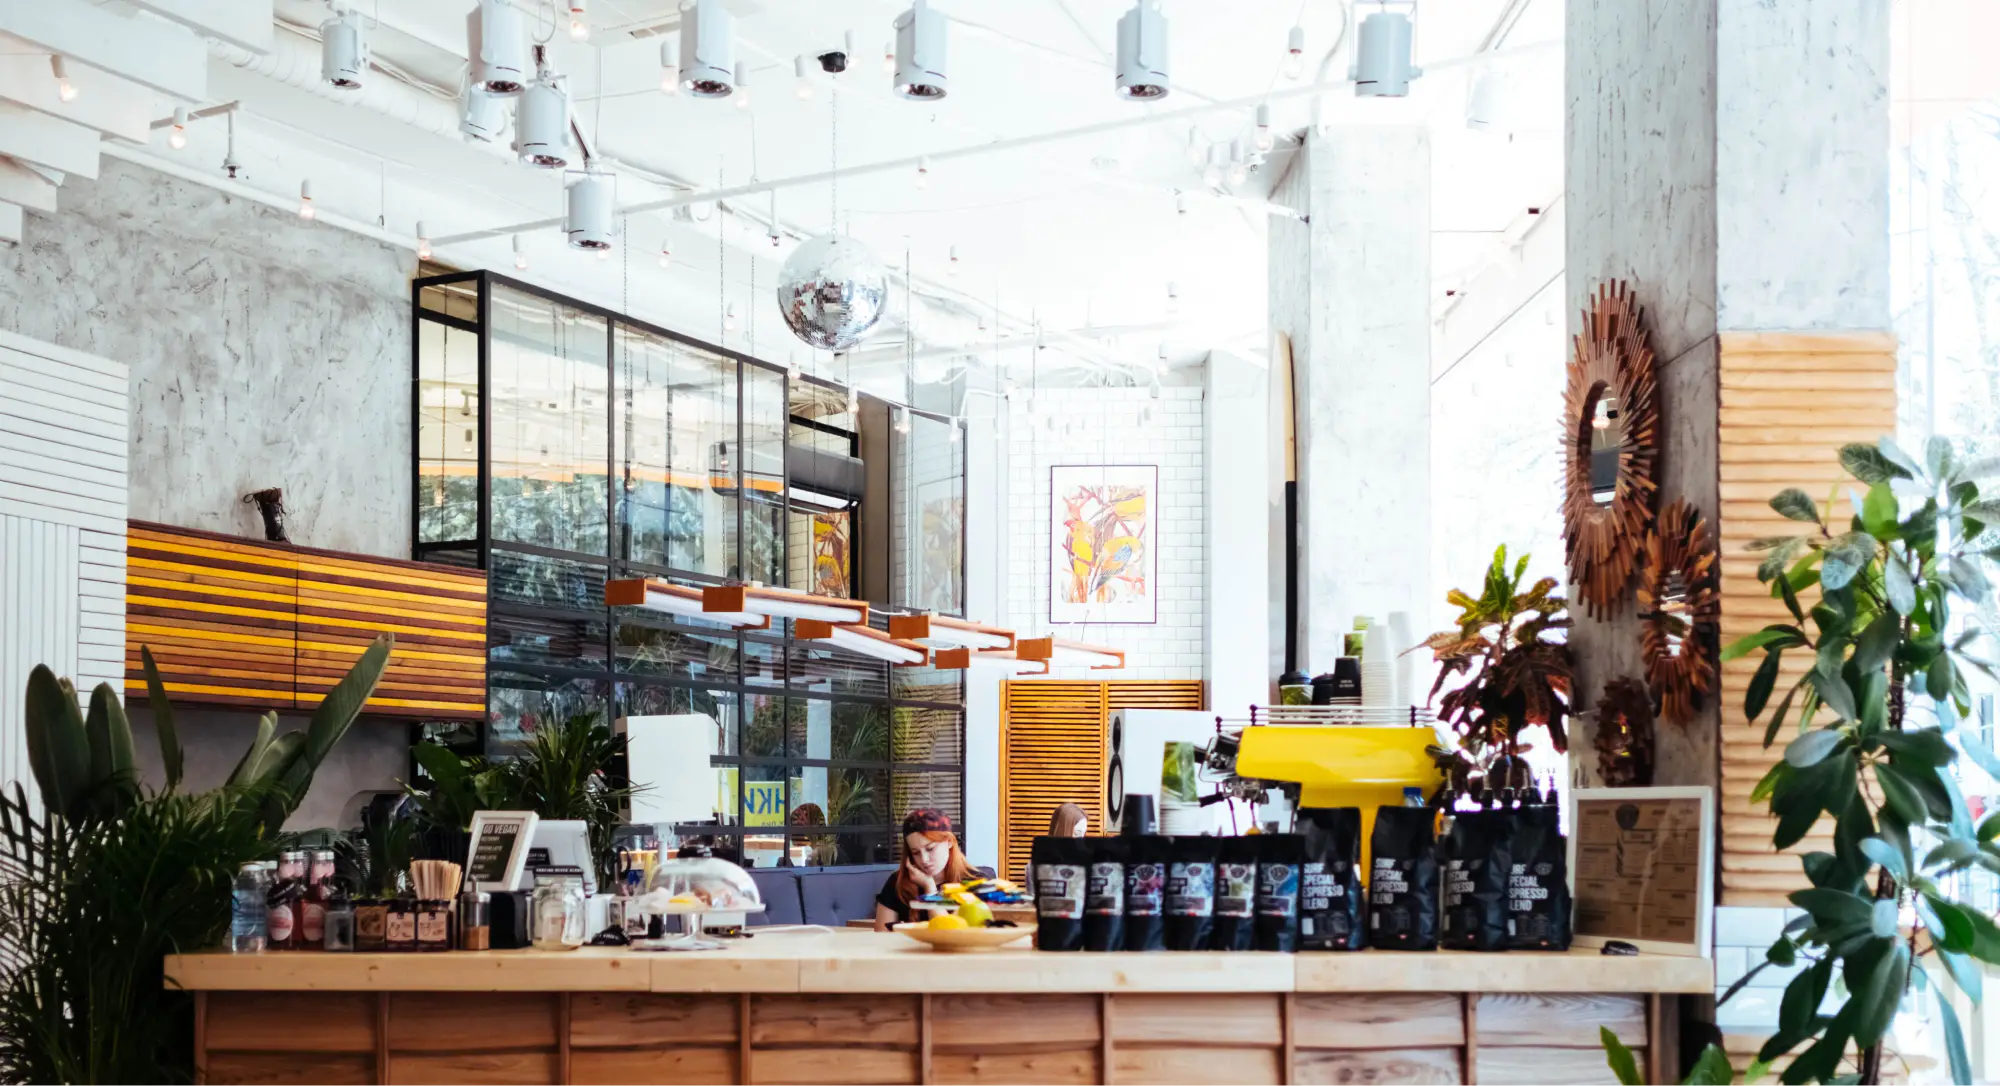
pixel 1730 159
pixel 1351 287
pixel 1235 477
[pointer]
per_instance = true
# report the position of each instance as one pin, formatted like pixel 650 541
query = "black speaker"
pixel 1114 773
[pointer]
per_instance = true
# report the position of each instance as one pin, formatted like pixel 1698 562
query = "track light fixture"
pixel 541 121
pixel 306 209
pixel 801 82
pixel 343 50
pixel 1265 140
pixel 588 223
pixel 1295 53
pixel 742 85
pixel 708 50
pixel 423 241
pixel 177 136
pixel 520 254
pixel 65 89
pixel 497 40
pixel 579 21
pixel 481 115
pixel 1382 51
pixel 920 52
pixel 1142 52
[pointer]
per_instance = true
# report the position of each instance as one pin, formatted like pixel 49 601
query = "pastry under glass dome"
pixel 692 886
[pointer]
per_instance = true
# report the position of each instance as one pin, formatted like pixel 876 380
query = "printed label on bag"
pixel 1059 890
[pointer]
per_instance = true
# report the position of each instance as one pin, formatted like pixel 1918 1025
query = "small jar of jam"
pixel 401 929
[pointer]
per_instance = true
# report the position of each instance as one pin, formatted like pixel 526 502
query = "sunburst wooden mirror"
pixel 1610 448
pixel 1680 608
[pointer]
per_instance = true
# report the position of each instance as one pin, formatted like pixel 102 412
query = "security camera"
pixel 833 63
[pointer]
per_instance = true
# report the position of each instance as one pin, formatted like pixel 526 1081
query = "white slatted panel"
pixel 63 479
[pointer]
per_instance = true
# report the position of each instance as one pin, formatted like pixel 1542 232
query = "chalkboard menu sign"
pixel 499 852
pixel 1642 860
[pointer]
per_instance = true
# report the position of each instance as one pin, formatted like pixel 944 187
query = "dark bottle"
pixel 287 890
pixel 313 901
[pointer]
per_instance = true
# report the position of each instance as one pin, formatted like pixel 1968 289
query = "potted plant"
pixel 1872 749
pixel 105 878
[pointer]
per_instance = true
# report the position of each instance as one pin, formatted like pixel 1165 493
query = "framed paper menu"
pixel 499 851
pixel 1642 867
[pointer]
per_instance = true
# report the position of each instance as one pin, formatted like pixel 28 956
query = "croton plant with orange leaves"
pixel 1516 667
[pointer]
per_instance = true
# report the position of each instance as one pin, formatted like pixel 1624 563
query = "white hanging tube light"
pixel 784 603
pixel 1142 53
pixel 801 81
pixel 742 85
pixel 1004 661
pixel 708 50
pixel 920 53
pixel 497 39
pixel 1064 653
pixel 681 601
pixel 579 20
pixel 945 632
pixel 520 254
pixel 864 641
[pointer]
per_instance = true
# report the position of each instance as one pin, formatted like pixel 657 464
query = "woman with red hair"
pixel 931 858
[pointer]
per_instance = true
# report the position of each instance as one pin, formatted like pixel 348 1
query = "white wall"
pixel 1236 471
pixel 62 526
pixel 1111 426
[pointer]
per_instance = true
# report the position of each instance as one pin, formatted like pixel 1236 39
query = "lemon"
pixel 946 922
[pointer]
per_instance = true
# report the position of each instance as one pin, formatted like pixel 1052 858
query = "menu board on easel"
pixel 499 850
pixel 1642 862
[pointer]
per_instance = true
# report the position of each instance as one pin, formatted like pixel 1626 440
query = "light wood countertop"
pixel 857 961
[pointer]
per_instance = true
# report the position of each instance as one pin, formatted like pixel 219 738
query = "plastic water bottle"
pixel 248 910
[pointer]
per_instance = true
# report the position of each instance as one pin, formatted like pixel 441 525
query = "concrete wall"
pixel 264 351
pixel 374 754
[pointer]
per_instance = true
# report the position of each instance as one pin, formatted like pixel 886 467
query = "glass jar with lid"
pixel 558 909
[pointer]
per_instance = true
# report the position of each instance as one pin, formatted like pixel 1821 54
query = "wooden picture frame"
pixel 1642 868
pixel 1680 611
pixel 1610 409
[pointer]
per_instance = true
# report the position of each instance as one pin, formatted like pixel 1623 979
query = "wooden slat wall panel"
pixel 266 625
pixel 1052 749
pixel 1789 401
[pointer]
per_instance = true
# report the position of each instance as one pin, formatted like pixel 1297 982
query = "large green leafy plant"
pixel 102 879
pixel 1881 633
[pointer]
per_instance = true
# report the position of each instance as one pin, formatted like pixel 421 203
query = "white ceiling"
pixel 1080 235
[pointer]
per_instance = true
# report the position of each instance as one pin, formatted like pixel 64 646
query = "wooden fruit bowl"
pixel 961 940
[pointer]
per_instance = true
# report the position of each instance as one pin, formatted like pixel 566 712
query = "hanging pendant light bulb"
pixel 1295 53
pixel 889 58
pixel 498 45
pixel 666 254
pixel 343 50
pixel 579 21
pixel 951 268
pixel 306 209
pixel 1211 175
pixel 708 50
pixel 177 136
pixel 772 231
pixel 920 52
pixel 423 241
pixel 1239 162
pixel 801 82
pixel 1173 297
pixel 1142 53
pixel 520 254
pixel 742 85
pixel 1265 140
pixel 729 317
pixel 924 172
pixel 65 89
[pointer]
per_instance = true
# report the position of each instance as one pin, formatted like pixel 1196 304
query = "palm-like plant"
pixel 560 774
pixel 1516 674
pixel 105 879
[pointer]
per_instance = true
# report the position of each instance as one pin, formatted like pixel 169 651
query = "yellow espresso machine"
pixel 1365 765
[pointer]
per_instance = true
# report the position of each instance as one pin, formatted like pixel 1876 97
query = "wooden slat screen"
pixel 1788 402
pixel 272 626
pixel 1052 750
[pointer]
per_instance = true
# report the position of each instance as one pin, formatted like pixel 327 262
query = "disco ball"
pixel 832 292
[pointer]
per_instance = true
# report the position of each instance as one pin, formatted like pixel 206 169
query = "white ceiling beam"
pixel 151 52
pixel 40 138
pixel 105 102
pixel 246 23
pixel 21 185
pixel 10 224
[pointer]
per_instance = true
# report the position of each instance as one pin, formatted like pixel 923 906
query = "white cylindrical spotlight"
pixel 1142 52
pixel 482 116
pixel 497 40
pixel 1382 67
pixel 343 51
pixel 590 211
pixel 1239 162
pixel 541 123
pixel 920 52
pixel 708 50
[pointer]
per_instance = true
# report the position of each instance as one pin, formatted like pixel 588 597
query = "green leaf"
pixel 1982 755
pixel 171 755
pixel 1990 828
pixel 111 759
pixel 1937 457
pixel 1711 1069
pixel 1758 1071
pixel 1619 1057
pixel 1834 908
pixel 1878 512
pixel 1845 557
pixel 343 703
pixel 1800 1005
pixel 247 767
pixel 1782 953
pixel 1950 927
pixel 1795 504
pixel 1926 745
pixel 1761 683
pixel 1985 937
pixel 1772 778
pixel 1878 641
pixel 1781 554
pixel 1780 636
pixel 1883 922
pixel 1888 855
pixel 1895 455
pixel 1954 1040
pixel 1879 994
pixel 1834 693
pixel 1970 579
pixel 1955 853
pixel 1900 796
pixel 1866 463
pixel 1964 972
pixel 1769 542
pixel 58 747
pixel 1790 596
pixel 1813 747
pixel 1924 781
pixel 1898 584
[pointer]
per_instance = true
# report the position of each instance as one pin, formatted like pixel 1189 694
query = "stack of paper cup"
pixel 1378 669
pixel 1406 661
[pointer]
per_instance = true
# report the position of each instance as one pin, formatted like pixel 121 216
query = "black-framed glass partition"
pixel 559 445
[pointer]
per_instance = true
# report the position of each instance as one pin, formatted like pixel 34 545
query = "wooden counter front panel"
pixel 637 1037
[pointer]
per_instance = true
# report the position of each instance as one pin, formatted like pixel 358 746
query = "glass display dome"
pixel 692 887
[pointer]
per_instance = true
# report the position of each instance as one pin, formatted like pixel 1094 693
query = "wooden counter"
pixel 862 1007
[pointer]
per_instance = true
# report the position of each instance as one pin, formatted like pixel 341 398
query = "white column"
pixel 1236 472
pixel 985 600
pixel 1351 287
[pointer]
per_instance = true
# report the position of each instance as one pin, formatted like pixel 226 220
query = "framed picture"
pixel 1641 864
pixel 1102 529
pixel 499 851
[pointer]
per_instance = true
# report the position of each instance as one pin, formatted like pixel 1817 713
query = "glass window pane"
pixel 833 849
pixel 676 432
pixel 928 551
pixel 935 736
pixel 636 699
pixel 551 453
pixel 939 790
pixel 820 540
pixel 825 670
pixel 649 643
pixel 459 300
pixel 764 427
pixel 520 702
pixel 765 725
pixel 546 582
pixel 763 663
pixel 860 732
pixel 447 433
pixel 929 684
pixel 539 639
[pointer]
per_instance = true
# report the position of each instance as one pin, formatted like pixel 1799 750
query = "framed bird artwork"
pixel 1102 554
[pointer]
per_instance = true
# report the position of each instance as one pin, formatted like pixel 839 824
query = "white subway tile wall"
pixel 1742 934
pixel 1110 426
